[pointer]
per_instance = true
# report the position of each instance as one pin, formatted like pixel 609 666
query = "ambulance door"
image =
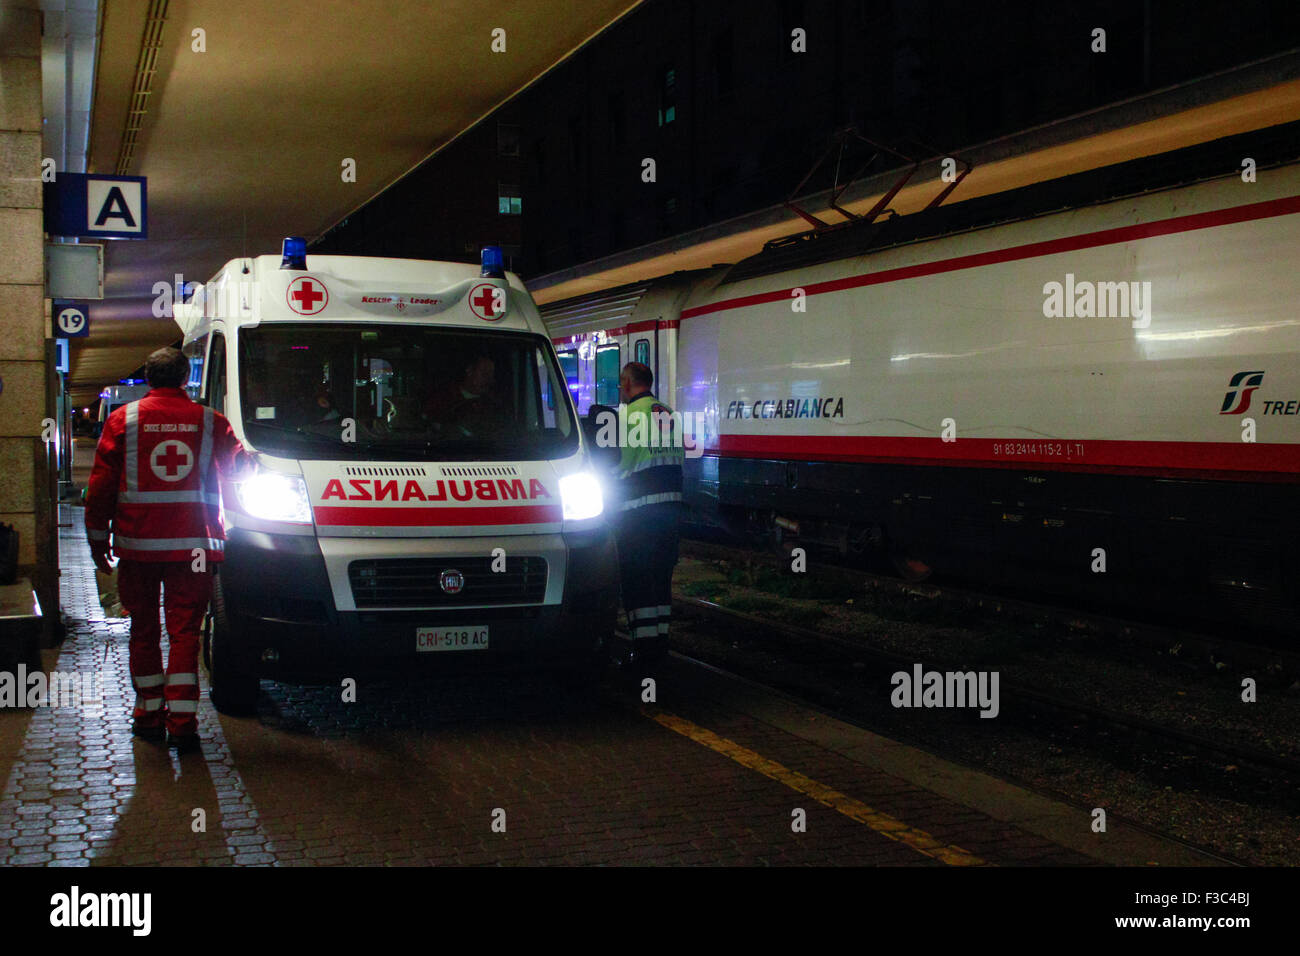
pixel 214 390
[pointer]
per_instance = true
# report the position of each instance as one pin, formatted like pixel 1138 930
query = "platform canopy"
pixel 244 142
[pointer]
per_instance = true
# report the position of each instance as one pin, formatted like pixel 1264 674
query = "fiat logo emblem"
pixel 452 582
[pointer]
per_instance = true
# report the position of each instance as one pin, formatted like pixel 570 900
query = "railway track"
pixel 1209 650
pixel 1037 706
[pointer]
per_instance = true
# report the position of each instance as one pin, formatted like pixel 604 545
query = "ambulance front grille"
pixel 478 471
pixel 404 471
pixel 414 582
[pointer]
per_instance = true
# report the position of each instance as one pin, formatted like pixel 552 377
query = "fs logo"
pixel 1239 389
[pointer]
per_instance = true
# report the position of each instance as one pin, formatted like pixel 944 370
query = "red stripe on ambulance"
pixel 335 515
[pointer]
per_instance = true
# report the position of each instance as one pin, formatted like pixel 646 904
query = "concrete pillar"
pixel 27 486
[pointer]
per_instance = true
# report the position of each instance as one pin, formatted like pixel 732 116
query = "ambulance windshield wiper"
pixel 299 431
pixel 426 450
pixel 287 429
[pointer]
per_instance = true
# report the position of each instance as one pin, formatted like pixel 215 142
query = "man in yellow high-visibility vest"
pixel 648 505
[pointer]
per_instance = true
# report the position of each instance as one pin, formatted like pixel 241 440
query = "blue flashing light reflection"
pixel 295 253
pixel 494 263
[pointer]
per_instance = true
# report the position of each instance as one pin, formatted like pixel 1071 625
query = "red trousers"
pixel 170 700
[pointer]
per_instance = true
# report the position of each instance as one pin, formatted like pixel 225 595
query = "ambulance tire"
pixel 585 674
pixel 234 687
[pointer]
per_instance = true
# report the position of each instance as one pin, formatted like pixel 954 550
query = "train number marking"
pixel 1069 450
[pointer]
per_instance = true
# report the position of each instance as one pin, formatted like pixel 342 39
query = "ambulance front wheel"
pixel 585 672
pixel 234 686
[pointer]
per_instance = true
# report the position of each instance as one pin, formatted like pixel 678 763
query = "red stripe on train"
pixel 647 325
pixel 1265 462
pixel 421 516
pixel 1089 240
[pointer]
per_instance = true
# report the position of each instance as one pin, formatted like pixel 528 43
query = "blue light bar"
pixel 295 253
pixel 494 263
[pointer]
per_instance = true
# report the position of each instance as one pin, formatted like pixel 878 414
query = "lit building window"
pixel 667 96
pixel 509 202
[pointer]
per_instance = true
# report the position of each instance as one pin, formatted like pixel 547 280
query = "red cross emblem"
pixel 488 301
pixel 171 460
pixel 307 296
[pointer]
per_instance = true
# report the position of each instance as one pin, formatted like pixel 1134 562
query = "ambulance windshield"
pixel 401 392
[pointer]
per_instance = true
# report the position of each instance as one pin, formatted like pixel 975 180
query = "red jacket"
pixel 156 478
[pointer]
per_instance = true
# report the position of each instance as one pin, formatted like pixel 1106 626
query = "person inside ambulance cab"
pixel 470 407
pixel 304 398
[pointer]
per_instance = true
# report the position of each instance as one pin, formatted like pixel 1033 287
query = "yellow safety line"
pixel 882 823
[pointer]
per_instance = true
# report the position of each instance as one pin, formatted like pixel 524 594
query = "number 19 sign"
pixel 71 319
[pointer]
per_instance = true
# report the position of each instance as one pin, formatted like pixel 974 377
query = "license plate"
pixel 451 639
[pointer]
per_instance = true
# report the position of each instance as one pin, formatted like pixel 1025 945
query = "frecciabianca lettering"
pixel 482 489
pixel 832 407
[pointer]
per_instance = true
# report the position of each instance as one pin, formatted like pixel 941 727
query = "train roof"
pixel 1273 146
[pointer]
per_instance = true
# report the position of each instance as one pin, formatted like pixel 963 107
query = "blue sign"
pixel 71 319
pixel 81 204
pixel 61 362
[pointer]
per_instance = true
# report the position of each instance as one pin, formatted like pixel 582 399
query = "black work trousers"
pixel 647 553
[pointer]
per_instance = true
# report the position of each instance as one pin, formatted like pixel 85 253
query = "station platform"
pixel 417 773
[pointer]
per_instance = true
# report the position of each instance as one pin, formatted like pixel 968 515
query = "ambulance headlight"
pixel 581 496
pixel 275 497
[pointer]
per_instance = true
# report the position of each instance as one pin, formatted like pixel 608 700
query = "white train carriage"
pixel 1090 385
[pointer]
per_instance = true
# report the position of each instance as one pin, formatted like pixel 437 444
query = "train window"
pixel 569 366
pixel 608 365
pixel 642 351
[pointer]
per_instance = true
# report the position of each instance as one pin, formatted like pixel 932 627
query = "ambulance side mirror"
pixel 601 422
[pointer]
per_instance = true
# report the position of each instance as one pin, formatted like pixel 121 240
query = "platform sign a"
pixel 81 204
pixel 71 319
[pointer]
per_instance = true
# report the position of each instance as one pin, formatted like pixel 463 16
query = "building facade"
pixel 684 114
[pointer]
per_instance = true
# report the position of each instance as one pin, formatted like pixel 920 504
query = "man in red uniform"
pixel 155 481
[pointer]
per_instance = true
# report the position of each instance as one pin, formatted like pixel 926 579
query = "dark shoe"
pixel 154 735
pixel 184 743
pixel 650 650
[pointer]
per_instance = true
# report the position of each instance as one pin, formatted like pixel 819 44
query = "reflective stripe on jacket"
pixel 155 478
pixel 650 466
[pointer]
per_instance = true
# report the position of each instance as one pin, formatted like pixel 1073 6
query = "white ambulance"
pixel 423 490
